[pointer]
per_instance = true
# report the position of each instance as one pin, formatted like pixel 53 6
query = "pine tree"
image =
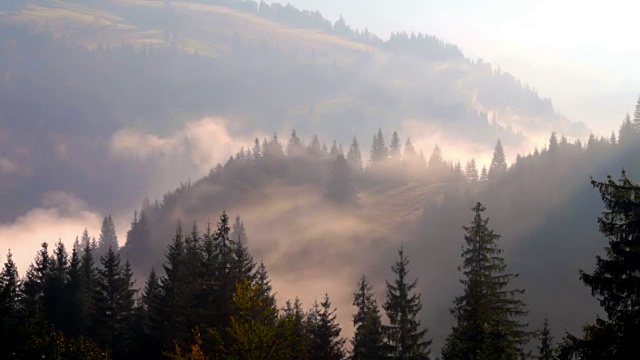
pixel 151 317
pixel 33 291
pixel 471 171
pixel 405 338
pixel 487 314
pixel 636 116
pixel 55 304
pixel 294 146
pixel 627 132
pixel 546 350
pixel 368 340
pixel 498 165
pixel 325 342
pixel 73 288
pixel 244 264
pixel 354 157
pixel 88 288
pixel 114 301
pixel 9 305
pixel 300 340
pixel 379 151
pixel 108 237
pixel 615 280
pixel 395 149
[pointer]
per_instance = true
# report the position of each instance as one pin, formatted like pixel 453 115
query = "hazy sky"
pixel 584 55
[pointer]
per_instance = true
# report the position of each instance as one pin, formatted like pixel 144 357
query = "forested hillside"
pixel 84 79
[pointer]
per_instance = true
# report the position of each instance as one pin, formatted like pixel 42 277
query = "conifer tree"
pixel 108 237
pixel 88 287
pixel 244 263
pixel 33 291
pixel 55 304
pixel 379 151
pixel 294 146
pixel 368 340
pixel 395 150
pixel 114 301
pixel 324 333
pixel 546 350
pixel 487 313
pixel 73 288
pixel 354 157
pixel 615 280
pixel 9 305
pixel 471 171
pixel 405 338
pixel 151 317
pixel 300 340
pixel 498 165
pixel 627 132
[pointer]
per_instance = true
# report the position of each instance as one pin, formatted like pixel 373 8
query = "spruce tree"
pixel 300 340
pixel 9 306
pixel 73 288
pixel 325 342
pixel 244 264
pixel 108 237
pixel 395 149
pixel 354 157
pixel 114 301
pixel 498 165
pixel 487 313
pixel 546 350
pixel 56 299
pixel 405 338
pixel 379 151
pixel 33 291
pixel 368 340
pixel 616 278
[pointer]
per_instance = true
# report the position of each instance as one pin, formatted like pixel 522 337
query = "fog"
pixel 161 117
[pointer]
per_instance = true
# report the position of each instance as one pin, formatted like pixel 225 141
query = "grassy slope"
pixel 207 28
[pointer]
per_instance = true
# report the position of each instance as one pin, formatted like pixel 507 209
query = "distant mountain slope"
pixel 130 80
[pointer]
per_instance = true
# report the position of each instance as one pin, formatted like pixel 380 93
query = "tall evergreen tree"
pixel 354 157
pixel 244 264
pixel 300 340
pixel 56 299
pixel 9 305
pixel 405 338
pixel 108 237
pixel 487 313
pixel 471 171
pixel 33 291
pixel 88 287
pixel 325 341
pixel 395 149
pixel 546 350
pixel 368 339
pixel 114 301
pixel 627 132
pixel 616 278
pixel 498 162
pixel 294 146
pixel 379 151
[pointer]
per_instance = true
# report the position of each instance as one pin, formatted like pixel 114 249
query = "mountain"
pixel 123 80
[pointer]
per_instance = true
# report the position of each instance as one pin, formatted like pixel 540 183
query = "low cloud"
pixel 61 216
pixel 203 143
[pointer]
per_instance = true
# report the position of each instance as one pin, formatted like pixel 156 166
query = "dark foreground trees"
pixel 405 337
pixel 487 314
pixel 615 282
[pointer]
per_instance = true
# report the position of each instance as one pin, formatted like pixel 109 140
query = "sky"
pixel 583 55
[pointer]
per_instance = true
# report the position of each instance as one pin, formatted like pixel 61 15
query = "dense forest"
pixel 210 299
